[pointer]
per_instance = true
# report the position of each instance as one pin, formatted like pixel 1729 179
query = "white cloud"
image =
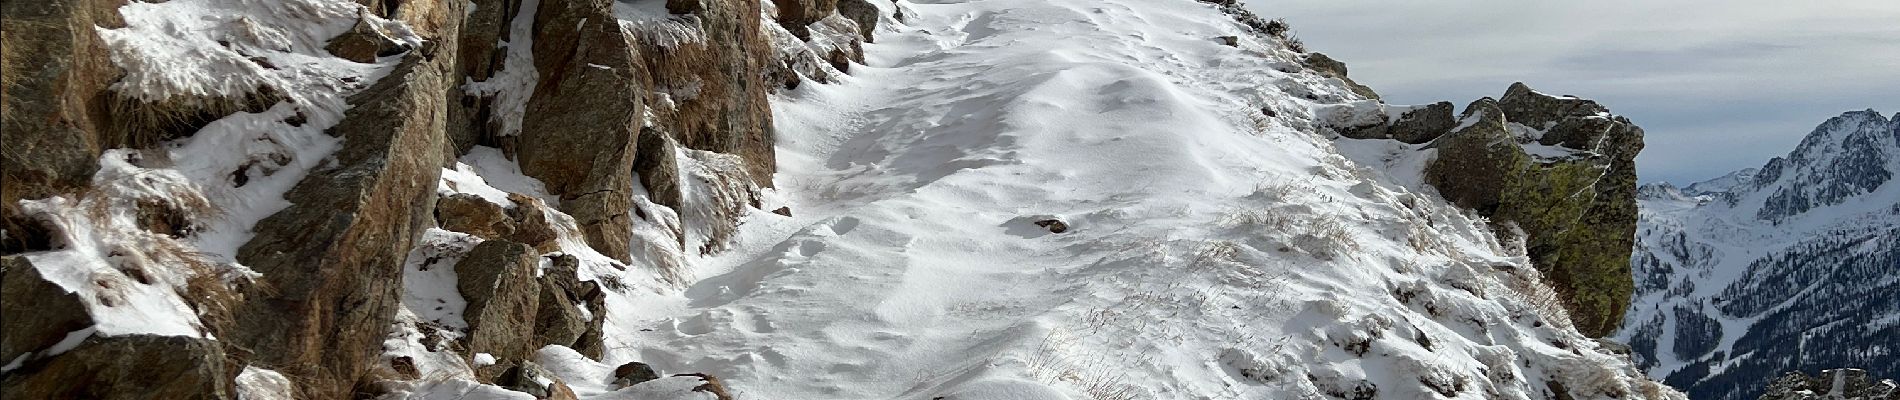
pixel 1718 85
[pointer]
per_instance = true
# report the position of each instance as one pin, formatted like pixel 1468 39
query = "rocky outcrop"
pixel 333 262
pixel 709 93
pixel 568 315
pixel 589 98
pixel 1371 119
pixel 38 313
pixel 364 42
pixel 1560 169
pixel 1476 164
pixel 1337 69
pixel 1574 198
pixel 864 14
pixel 798 15
pixel 1838 384
pixel 129 367
pixel 329 266
pixel 57 113
pixel 471 214
pixel 659 167
pixel 1422 124
pixel 497 278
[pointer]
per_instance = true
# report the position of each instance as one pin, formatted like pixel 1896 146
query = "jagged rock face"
pixel 588 98
pixel 498 280
pixel 1424 123
pixel 334 263
pixel 330 266
pixel 798 15
pixel 364 42
pixel 658 166
pixel 473 215
pixel 1839 384
pixel 559 319
pixel 863 13
pixel 708 92
pixel 1575 199
pixel 477 60
pixel 57 115
pixel 1476 164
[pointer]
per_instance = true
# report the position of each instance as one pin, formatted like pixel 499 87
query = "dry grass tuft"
pixel 143 124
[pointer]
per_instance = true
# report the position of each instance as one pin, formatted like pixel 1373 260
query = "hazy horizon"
pixel 1717 86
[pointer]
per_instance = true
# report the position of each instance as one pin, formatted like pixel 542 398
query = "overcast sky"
pixel 1717 85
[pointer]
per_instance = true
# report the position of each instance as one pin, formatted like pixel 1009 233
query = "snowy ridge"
pixel 1211 251
pixel 1785 267
pixel 1066 199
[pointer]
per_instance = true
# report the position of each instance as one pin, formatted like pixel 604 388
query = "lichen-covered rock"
pixel 333 263
pixel 497 278
pixel 1420 124
pixel 1476 164
pixel 1577 208
pixel 128 367
pixel 1836 384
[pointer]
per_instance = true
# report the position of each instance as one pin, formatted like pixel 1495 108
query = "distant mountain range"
pixel 1791 266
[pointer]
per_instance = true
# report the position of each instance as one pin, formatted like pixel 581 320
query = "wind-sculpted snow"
pixel 1787 268
pixel 1062 199
pixel 1211 250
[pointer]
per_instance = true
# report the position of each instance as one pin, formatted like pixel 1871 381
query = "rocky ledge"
pixel 1560 169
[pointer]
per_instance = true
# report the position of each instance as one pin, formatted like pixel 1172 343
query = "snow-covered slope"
pixel 1061 199
pixel 1211 252
pixel 1789 267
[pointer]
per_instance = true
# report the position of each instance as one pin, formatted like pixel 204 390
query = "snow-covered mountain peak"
pixel 1848 156
pixel 1662 191
pixel 1726 183
pixel 1787 267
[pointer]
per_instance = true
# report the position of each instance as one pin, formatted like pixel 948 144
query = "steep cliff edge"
pixel 1558 170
